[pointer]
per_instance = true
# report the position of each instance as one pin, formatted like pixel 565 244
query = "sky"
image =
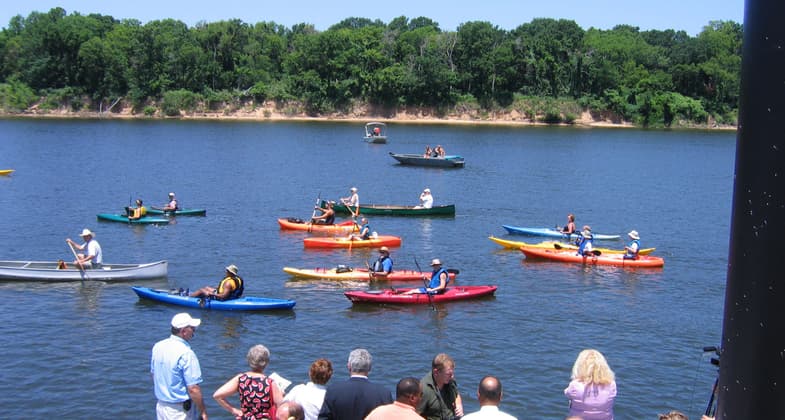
pixel 688 15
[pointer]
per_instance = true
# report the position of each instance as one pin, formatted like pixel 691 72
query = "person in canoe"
pixel 426 199
pixel 631 250
pixel 353 200
pixel 584 242
pixel 94 257
pixel 363 231
pixel 171 205
pixel 428 151
pixel 327 217
pixel 382 267
pixel 569 228
pixel 137 212
pixel 231 287
pixel 438 151
pixel 439 280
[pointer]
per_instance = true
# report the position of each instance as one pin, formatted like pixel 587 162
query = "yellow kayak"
pixel 559 245
pixel 6 171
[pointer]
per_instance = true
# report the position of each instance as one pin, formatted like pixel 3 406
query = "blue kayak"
pixel 178 212
pixel 109 217
pixel 245 303
pixel 553 233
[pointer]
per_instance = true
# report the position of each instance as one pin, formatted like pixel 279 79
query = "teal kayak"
pixel 245 303
pixel 553 233
pixel 146 220
pixel 178 212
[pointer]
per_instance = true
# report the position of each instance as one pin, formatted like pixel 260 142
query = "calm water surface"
pixel 83 349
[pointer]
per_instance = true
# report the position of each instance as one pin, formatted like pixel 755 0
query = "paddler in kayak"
pixel 137 212
pixel 327 217
pixel 364 231
pixel 383 265
pixel 584 242
pixel 631 250
pixel 438 283
pixel 231 287
pixel 569 228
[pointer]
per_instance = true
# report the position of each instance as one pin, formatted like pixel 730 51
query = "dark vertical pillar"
pixel 752 364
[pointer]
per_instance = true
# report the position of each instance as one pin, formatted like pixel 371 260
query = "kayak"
pixel 602 259
pixel 178 212
pixel 373 242
pixel 48 271
pixel 346 227
pixel 560 245
pixel 348 273
pixel 394 210
pixel 146 220
pixel 5 172
pixel 245 303
pixel 553 233
pixel 397 296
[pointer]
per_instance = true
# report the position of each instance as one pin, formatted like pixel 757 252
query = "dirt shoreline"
pixel 272 114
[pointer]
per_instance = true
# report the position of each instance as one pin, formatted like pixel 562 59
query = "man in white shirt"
pixel 426 199
pixel 489 393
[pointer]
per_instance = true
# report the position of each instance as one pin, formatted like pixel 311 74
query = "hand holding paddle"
pixel 430 296
pixel 76 260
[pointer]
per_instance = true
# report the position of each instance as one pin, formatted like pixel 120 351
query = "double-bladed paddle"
pixel 430 297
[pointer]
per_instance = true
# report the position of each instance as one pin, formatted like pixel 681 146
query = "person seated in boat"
pixel 584 242
pixel 382 267
pixel 632 249
pixel 439 151
pixel 426 199
pixel 439 279
pixel 94 257
pixel 569 228
pixel 172 204
pixel 428 151
pixel 327 217
pixel 352 202
pixel 231 287
pixel 363 231
pixel 137 212
pixel 377 131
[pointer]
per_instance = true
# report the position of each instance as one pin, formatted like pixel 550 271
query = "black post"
pixel 752 365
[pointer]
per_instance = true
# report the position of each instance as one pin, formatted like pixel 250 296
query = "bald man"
pixel 489 393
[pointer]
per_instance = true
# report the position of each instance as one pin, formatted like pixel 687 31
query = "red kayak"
pixel 397 296
pixel 373 242
pixel 602 259
pixel 346 227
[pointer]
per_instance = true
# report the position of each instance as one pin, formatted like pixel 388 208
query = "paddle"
pixel 313 214
pixel 430 297
pixel 82 271
pixel 596 252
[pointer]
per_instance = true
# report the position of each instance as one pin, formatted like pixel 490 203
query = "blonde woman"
pixel 592 390
pixel 259 395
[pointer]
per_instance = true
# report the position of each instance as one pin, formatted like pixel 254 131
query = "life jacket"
pixel 435 282
pixel 366 232
pixel 378 266
pixel 582 242
pixel 238 290
pixel 633 255
pixel 143 211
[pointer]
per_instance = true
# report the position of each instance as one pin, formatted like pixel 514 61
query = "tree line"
pixel 546 69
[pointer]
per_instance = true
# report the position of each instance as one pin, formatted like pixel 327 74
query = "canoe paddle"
pixel 596 252
pixel 76 258
pixel 430 297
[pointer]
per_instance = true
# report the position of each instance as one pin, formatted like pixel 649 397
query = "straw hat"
pixel 435 261
pixel 634 235
pixel 86 232
pixel 232 269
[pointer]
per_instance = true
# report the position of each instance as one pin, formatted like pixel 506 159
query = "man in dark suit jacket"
pixel 355 398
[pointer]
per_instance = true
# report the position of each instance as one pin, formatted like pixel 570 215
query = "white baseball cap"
pixel 183 320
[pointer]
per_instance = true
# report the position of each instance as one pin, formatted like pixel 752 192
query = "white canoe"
pixel 47 271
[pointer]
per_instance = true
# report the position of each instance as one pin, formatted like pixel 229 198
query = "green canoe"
pixel 393 210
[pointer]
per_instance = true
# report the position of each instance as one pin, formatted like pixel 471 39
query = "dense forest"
pixel 545 70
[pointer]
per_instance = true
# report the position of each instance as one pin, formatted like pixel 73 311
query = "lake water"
pixel 82 350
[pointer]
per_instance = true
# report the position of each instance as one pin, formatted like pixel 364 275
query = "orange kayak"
pixel 344 227
pixel 379 241
pixel 602 259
